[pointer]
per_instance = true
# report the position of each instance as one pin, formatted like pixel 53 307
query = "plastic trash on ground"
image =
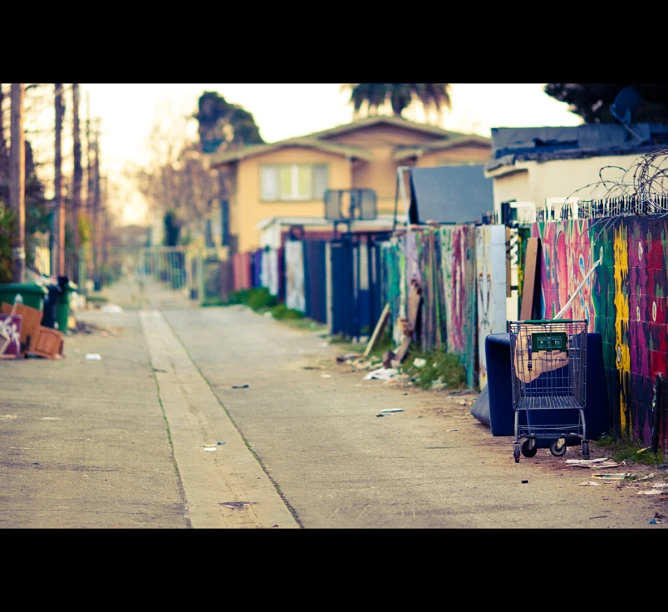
pixel 111 308
pixel 382 374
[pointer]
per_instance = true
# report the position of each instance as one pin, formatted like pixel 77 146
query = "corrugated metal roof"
pixel 510 145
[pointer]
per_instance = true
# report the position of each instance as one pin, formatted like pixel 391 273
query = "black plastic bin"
pixel 501 414
pixel 50 307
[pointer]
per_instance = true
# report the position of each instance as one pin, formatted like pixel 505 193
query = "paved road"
pixel 338 465
pixel 83 443
pixel 120 442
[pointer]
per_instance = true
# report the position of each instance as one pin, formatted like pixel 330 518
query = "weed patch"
pixel 209 302
pixel 281 312
pixel 631 451
pixel 443 368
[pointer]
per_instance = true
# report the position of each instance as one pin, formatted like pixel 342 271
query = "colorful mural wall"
pixel 393 281
pixel 443 261
pixel 624 300
pixel 432 315
pixel 458 271
pixel 491 288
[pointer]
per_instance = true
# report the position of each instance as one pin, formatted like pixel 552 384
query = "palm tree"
pixel 432 96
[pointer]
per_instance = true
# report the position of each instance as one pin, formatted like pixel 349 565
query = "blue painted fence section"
pixel 315 280
pixel 256 269
pixel 357 296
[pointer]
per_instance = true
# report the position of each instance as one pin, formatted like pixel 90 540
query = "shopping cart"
pixel 549 377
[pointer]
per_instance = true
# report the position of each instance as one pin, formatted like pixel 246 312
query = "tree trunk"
pixel 77 178
pixel 58 182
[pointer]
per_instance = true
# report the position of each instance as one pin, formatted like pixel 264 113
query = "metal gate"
pixel 179 277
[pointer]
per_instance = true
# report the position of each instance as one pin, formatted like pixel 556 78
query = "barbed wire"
pixel 637 191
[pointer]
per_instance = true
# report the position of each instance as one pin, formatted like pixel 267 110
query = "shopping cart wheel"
pixel 516 452
pixel 585 450
pixel 529 448
pixel 557 449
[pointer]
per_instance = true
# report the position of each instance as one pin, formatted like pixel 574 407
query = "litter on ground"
pixel 93 357
pixel 592 464
pixel 610 476
pixel 382 374
pixel 111 308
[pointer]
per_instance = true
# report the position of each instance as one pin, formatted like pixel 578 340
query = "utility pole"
pixel 90 187
pixel 105 220
pixel 4 154
pixel 58 183
pixel 77 177
pixel 96 198
pixel 17 178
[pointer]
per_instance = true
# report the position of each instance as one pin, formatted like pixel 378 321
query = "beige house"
pixel 289 178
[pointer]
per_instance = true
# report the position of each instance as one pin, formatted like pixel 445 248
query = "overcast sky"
pixel 282 111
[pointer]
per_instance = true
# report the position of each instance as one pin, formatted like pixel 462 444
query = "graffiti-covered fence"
pixel 461 271
pixel 625 300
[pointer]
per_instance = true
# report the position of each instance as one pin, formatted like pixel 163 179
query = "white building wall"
pixel 561 178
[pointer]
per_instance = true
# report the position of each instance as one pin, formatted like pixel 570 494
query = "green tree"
pixel 399 96
pixel 592 101
pixel 223 125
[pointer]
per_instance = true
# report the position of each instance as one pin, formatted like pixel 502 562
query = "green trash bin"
pixel 33 294
pixel 63 307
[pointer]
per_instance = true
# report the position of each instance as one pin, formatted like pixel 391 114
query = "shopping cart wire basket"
pixel 548 365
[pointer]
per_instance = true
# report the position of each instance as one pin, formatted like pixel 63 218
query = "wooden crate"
pixel 49 343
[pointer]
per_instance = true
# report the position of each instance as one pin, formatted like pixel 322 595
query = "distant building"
pixel 289 178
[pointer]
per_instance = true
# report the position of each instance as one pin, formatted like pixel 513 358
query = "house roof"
pixel 402 153
pixel 319 140
pixel 541 144
pixel 226 157
pixel 388 120
pixel 450 194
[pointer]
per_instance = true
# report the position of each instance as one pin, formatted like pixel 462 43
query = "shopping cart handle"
pixel 541 321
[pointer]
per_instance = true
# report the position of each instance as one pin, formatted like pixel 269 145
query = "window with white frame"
pixel 293 182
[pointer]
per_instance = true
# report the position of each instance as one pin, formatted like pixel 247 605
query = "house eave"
pixel 228 157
